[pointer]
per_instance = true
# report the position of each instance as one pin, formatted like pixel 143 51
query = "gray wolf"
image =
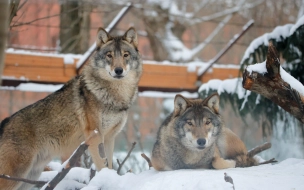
pixel 194 136
pixel 97 99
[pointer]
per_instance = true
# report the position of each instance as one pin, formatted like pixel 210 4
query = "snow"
pixel 25 52
pixel 229 86
pixel 288 174
pixel 294 83
pixel 34 87
pixel 68 59
pixel 176 49
pixel 278 33
pixel 259 68
pixel 299 23
pixel 155 94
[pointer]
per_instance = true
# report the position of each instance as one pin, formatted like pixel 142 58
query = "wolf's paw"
pixel 232 163
pixel 220 163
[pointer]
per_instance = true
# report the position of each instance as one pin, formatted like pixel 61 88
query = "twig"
pixel 92 173
pixel 259 149
pixel 128 155
pixel 147 159
pixel 70 162
pixel 37 183
pixel 236 37
pixel 273 160
pixel 46 17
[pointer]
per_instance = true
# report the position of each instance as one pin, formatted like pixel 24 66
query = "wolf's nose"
pixel 201 142
pixel 118 70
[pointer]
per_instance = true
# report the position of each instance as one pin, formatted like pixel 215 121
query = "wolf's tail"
pixel 244 160
pixel 247 160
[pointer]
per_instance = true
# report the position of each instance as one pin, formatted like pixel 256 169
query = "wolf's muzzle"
pixel 201 143
pixel 118 70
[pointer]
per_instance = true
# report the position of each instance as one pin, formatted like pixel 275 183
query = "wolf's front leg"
pixel 109 149
pixel 220 163
pixel 93 140
pixel 110 140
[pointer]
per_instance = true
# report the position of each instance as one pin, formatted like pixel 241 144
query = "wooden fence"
pixel 52 69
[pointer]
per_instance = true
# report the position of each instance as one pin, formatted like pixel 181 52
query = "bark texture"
pixel 273 87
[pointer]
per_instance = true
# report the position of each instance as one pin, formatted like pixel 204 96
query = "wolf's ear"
pixel 213 102
pixel 180 105
pixel 131 36
pixel 102 37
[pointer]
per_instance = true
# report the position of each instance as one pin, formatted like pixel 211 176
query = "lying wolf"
pixel 194 136
pixel 98 99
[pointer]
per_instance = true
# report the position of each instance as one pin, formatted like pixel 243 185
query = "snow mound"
pixel 289 174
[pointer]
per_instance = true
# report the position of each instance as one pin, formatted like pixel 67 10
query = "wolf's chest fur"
pixel 111 99
pixel 181 157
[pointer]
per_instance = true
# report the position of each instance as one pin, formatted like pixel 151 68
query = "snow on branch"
pixel 71 162
pixel 226 12
pixel 179 52
pixel 280 33
pixel 271 81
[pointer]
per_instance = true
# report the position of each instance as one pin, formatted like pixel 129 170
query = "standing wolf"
pixel 194 136
pixel 99 98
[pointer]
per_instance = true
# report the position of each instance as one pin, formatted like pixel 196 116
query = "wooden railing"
pixel 52 69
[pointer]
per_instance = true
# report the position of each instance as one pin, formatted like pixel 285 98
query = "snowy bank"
pixel 288 174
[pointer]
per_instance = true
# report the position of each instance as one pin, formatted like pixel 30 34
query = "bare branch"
pixel 202 45
pixel 20 6
pixel 226 12
pixel 71 162
pixel 147 159
pixel 259 149
pixel 236 37
pixel 14 4
pixel 92 173
pixel 37 183
pixel 42 18
pixel 272 160
pixel 128 155
pixel 4 23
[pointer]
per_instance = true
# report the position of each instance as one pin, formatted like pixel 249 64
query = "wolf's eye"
pixel 208 122
pixel 189 123
pixel 109 56
pixel 126 55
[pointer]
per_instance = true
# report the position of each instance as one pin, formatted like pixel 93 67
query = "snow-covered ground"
pixel 286 175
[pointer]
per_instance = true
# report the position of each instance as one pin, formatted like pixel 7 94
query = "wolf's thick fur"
pixel 97 99
pixel 194 136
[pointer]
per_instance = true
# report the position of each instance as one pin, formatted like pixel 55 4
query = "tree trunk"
pixel 154 26
pixel 273 87
pixel 4 21
pixel 69 27
pixel 85 27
